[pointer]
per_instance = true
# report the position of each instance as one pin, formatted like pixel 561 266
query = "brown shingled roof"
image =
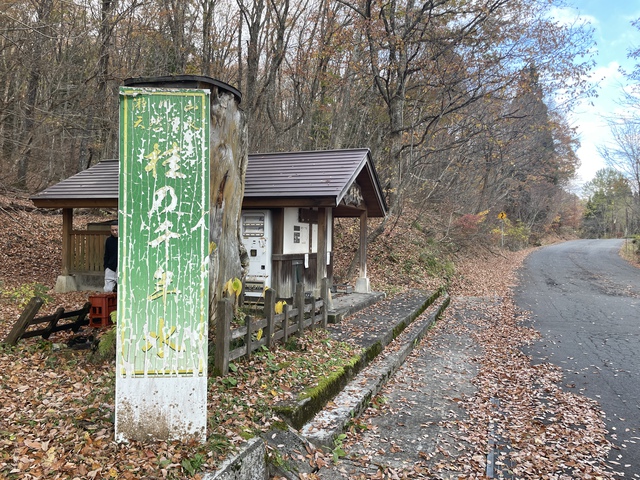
pixel 312 179
pixel 95 187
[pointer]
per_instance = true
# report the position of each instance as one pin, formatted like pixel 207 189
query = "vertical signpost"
pixel 163 265
pixel 502 216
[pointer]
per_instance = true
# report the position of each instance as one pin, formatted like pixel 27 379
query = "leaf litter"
pixel 519 413
pixel 56 414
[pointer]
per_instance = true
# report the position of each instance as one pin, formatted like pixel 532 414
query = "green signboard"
pixel 163 264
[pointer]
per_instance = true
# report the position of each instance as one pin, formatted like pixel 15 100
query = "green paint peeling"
pixel 163 264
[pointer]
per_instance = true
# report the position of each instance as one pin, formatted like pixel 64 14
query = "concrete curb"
pixel 338 315
pixel 249 464
pixel 299 412
pixel 354 398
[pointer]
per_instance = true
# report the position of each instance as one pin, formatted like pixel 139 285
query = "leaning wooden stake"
pixel 52 323
pixel 28 314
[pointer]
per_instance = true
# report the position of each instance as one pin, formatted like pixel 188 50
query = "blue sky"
pixel 614 36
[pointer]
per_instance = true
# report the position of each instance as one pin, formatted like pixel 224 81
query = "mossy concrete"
pixel 325 427
pixel 249 464
pixel 351 388
pixel 312 401
pixel 366 329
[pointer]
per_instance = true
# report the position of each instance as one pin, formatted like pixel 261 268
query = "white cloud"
pixel 615 36
pixel 608 73
pixel 570 16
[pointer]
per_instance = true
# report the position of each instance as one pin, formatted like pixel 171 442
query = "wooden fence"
pixel 28 319
pixel 87 250
pixel 235 343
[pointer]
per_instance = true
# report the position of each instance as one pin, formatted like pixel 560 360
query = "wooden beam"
pixel 274 202
pixel 76 203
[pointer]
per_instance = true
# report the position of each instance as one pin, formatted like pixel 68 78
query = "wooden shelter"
pixel 311 187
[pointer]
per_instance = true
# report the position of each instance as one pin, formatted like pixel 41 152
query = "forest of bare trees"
pixel 612 207
pixel 462 102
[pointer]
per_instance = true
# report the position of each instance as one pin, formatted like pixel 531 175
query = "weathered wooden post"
pixel 182 161
pixel 362 283
pixel 28 314
pixel 248 320
pixel 298 301
pixel 285 324
pixel 269 313
pixel 326 295
pixel 223 336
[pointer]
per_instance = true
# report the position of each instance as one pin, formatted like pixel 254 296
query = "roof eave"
pixel 283 202
pixel 367 165
pixel 75 203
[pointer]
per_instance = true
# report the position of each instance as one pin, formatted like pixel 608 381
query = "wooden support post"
pixel 321 263
pixel 362 283
pixel 325 301
pixel 67 227
pixel 299 303
pixel 223 336
pixel 28 314
pixel 269 313
pixel 363 245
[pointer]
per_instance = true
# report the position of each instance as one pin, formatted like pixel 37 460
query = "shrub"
pixel 22 294
pixel 515 236
pixel 469 224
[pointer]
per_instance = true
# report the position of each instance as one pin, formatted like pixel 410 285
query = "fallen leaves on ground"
pixel 57 408
pixel 520 410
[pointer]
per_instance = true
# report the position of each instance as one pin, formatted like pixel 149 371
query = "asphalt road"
pixel 584 300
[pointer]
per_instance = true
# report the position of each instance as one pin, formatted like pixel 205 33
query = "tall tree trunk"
pixel 94 139
pixel 253 19
pixel 40 36
pixel 208 7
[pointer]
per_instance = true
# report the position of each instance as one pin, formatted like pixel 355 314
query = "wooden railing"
pixel 305 313
pixel 21 329
pixel 87 251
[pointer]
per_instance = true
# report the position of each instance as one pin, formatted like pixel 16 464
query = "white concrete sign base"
pixel 161 408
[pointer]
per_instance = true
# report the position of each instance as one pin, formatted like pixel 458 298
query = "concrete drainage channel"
pixel 251 461
pixel 249 464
